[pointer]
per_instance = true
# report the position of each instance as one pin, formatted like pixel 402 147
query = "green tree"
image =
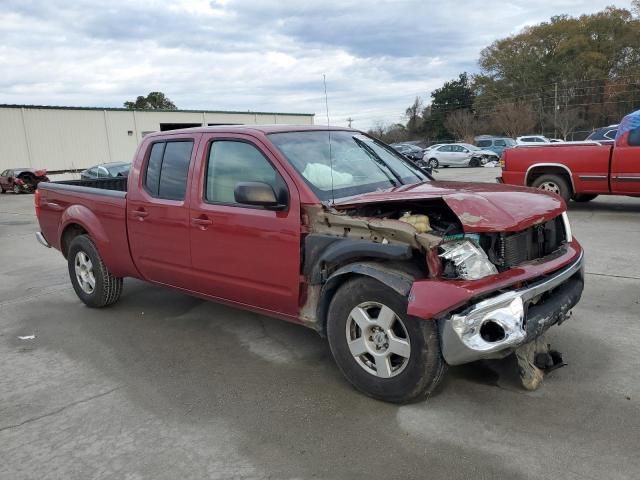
pixel 153 101
pixel 569 61
pixel 453 95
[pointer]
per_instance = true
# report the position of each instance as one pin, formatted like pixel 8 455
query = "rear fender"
pixel 89 221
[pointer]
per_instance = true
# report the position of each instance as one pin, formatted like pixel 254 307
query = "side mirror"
pixel 258 194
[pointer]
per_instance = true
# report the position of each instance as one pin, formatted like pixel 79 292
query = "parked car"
pixel 532 140
pixel 408 150
pixel 107 170
pixel 604 133
pixel 19 180
pixel 455 155
pixel 580 170
pixel 495 144
pixel 402 274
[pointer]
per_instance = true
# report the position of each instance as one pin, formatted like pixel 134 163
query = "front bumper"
pixel 494 327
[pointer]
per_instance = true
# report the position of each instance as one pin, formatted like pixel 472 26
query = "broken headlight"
pixel 469 261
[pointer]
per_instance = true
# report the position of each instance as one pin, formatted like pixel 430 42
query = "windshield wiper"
pixel 380 163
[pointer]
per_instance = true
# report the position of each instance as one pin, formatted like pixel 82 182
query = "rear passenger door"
pixel 158 211
pixel 241 253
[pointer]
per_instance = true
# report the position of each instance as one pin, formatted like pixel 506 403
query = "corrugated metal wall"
pixel 64 139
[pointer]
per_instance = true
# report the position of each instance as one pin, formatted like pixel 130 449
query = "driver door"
pixel 241 253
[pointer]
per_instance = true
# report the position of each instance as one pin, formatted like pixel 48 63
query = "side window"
pixel 93 172
pixel 445 148
pixel 231 162
pixel 168 168
pixel 634 137
pixel 485 143
pixel 610 134
pixel 500 143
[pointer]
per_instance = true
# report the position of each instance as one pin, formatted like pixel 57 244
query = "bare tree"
pixel 463 124
pixel 514 119
pixel 566 120
pixel 378 129
pixel 414 120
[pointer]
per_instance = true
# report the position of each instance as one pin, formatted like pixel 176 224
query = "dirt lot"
pixel 165 386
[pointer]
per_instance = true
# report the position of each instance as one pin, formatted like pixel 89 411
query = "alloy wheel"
pixel 84 272
pixel 378 340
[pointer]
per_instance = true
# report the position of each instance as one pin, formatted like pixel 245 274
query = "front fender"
pixel 395 278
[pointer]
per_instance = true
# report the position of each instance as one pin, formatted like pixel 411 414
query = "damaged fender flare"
pixel 398 280
pixel 337 251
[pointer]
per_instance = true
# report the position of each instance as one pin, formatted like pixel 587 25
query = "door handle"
pixel 202 222
pixel 140 214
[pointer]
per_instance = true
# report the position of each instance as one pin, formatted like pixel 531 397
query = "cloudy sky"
pixel 260 55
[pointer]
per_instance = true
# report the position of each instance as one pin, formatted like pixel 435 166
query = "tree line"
pixel 554 78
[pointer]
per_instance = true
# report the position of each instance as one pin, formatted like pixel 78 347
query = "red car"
pixel 18 180
pixel 402 274
pixel 580 171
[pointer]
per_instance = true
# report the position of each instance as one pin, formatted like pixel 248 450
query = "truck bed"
pixel 99 206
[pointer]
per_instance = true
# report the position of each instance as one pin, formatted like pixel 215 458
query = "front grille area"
pixel 513 249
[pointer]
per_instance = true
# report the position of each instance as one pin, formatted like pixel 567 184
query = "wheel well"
pixel 396 275
pixel 537 172
pixel 70 232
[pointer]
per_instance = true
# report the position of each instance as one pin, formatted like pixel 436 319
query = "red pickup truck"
pixel 580 170
pixel 331 229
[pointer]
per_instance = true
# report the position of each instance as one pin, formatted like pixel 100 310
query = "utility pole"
pixel 349 120
pixel 555 110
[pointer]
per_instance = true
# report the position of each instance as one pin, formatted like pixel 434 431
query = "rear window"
pixel 168 168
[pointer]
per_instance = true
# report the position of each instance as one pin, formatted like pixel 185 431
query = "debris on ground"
pixel 534 360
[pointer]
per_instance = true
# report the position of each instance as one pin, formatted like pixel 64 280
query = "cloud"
pixel 246 55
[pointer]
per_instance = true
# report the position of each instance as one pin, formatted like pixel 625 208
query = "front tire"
pixel 16 189
pixel 92 281
pixel 433 163
pixel 474 163
pixel 554 184
pixel 382 351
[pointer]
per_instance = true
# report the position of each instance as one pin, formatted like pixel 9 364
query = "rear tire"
pixel 554 184
pixel 93 282
pixel 400 360
pixel 583 197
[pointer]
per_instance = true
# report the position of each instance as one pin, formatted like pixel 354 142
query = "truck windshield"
pixel 348 162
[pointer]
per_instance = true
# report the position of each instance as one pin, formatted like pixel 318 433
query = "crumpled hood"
pixel 481 207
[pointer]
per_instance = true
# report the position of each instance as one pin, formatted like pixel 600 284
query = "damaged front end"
pixel 491 291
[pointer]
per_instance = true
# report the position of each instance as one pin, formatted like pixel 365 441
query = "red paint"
pixel 251 257
pixel 593 169
pixel 481 207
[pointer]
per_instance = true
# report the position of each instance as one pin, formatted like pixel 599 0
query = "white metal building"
pixel 71 138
